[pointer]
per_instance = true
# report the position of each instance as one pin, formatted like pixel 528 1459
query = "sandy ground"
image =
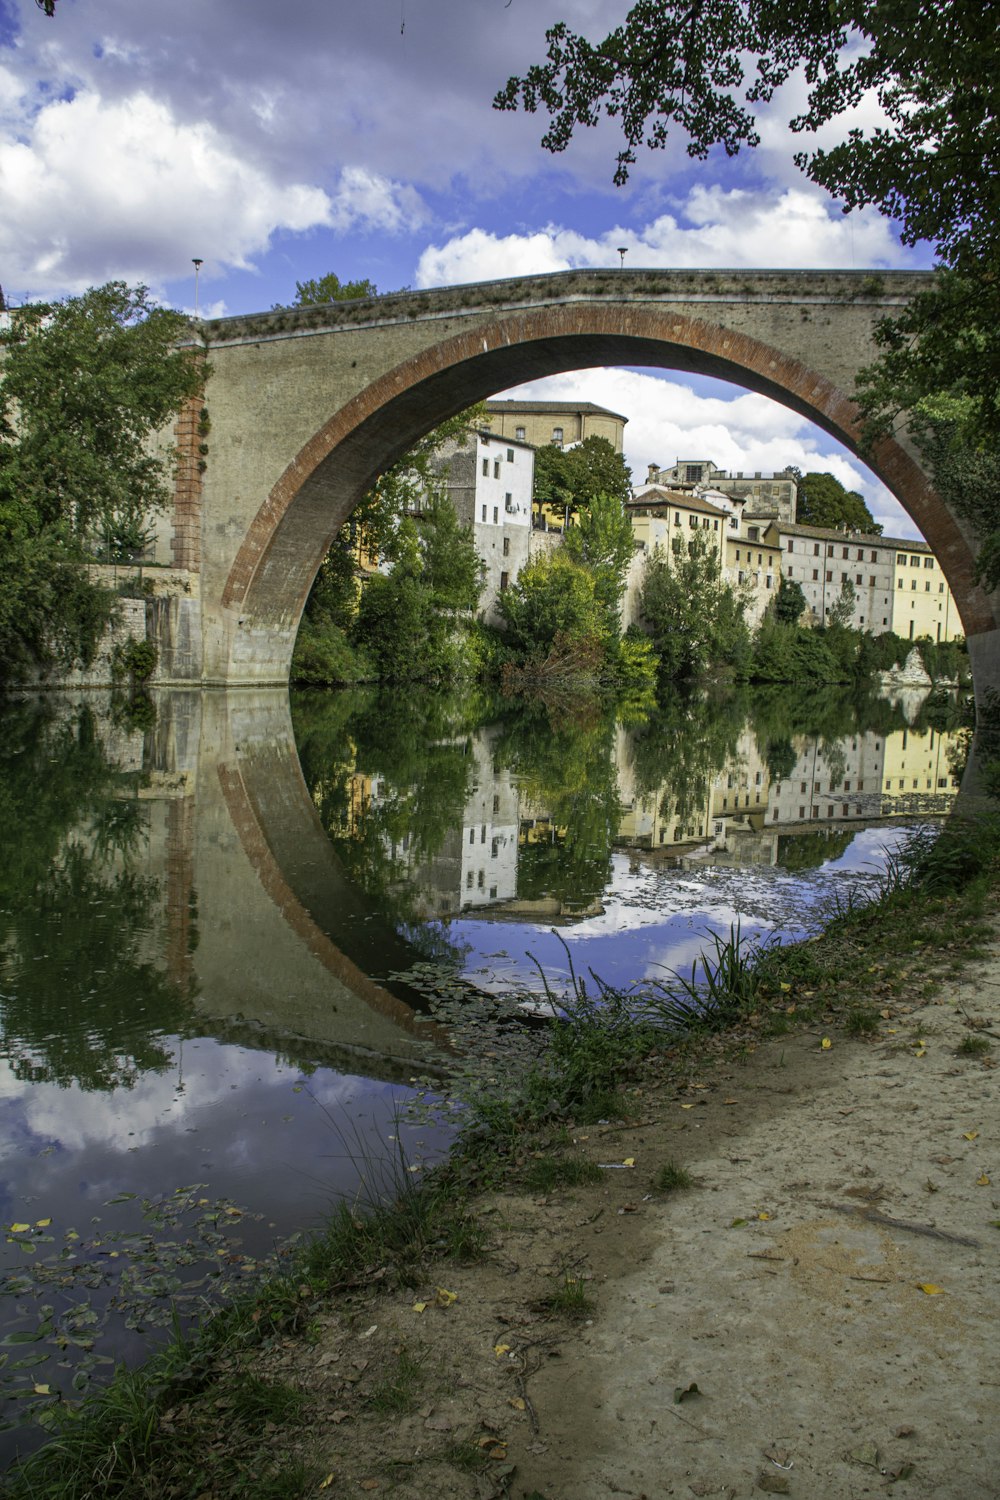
pixel 829 1284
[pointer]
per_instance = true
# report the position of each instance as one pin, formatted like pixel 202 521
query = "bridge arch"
pixel 273 570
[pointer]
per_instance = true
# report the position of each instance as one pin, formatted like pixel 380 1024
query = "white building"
pixel 489 481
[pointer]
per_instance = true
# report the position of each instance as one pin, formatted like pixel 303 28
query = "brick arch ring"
pixel 273 571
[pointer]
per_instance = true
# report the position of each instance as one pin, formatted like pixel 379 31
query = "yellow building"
pixel 558 423
pixel 753 563
pixel 922 602
pixel 659 518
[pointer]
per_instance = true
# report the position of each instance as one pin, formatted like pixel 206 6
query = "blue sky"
pixel 278 142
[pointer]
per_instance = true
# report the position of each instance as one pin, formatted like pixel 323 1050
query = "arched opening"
pixel 272 574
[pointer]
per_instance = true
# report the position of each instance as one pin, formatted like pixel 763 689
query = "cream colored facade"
pixel 659 518
pixel 918 765
pixel 922 602
pixel 559 423
pixel 753 564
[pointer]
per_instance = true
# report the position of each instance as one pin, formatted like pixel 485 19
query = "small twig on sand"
pixel 928 1229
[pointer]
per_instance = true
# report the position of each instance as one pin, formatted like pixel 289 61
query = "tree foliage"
pixel 86 384
pixel 823 501
pixel 552 596
pixel 571 477
pixel 602 541
pixel 790 602
pixel 329 288
pixel 694 617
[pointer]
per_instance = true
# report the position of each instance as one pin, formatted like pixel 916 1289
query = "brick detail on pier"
pixel 185 543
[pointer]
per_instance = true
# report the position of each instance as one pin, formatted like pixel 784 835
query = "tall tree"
pixel 602 541
pixel 693 616
pixel 823 501
pixel 85 384
pixel 569 478
pixel 330 288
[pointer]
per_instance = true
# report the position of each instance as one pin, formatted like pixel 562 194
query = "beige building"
pixel 659 518
pixel 774 495
pixel 561 423
pixel 753 563
pixel 922 602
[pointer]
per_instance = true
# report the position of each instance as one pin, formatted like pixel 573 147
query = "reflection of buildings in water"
pixel 849 782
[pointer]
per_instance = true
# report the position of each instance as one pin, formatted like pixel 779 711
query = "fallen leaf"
pixel 629 1161
pixel 867 1454
pixel 42 1390
pixel 784 988
pixel 420 1307
pixel 326 1483
pixel 982 1181
pixel 736 1224
pixel 826 1044
pixel 968 1135
pixel 920 1052
pixel 445 1298
pixel 500 1349
pixel 19 1228
pixel 687 1106
pixel 763 1216
pixel 930 1289
pixel 682 1392
pixel 518 1403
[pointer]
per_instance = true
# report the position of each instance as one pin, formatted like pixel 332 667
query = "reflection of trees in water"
pixel 807 851
pixel 390 774
pixel 684 746
pixel 81 1003
pixel 566 769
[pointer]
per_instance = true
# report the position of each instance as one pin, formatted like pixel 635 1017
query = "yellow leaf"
pixel 763 1216
pixel 445 1298
pixel 42 1223
pixel 42 1390
pixel 19 1228
pixel 930 1288
pixel 326 1483
pixel 969 1135
pixel 785 988
pixel 499 1349
pixel 983 1181
pixel 420 1307
pixel 826 1044
pixel 518 1403
pixel 920 1052
pixel 687 1106
pixel 629 1161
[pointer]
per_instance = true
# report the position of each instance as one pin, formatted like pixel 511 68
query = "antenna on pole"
pixel 622 251
pixel 197 267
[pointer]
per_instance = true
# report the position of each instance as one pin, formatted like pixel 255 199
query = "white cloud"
pixel 100 189
pixel 733 228
pixel 668 419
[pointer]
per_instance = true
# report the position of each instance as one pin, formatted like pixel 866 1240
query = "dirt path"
pixel 829 1284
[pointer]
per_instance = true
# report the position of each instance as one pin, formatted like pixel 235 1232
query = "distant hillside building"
pixel 559 423
pixel 773 495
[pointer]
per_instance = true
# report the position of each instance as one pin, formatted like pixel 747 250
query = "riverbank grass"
pixel 198 1418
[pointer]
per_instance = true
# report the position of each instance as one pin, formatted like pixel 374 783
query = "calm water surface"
pixel 206 925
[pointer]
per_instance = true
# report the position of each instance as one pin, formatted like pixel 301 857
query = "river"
pixel 217 922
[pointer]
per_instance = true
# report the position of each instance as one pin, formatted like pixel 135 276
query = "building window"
pixel 913 584
pixel 940 588
pixel 753 533
pixel 901 559
pixel 496 803
pixel 874 557
pixel 914 562
pixel 927 587
pixel 899 585
pixel 815 575
pixel 857 579
pixel 791 545
pixel 829 550
pixel 789 572
pixel 484 518
pixel 769 581
pixel 928 562
pixel 692 522
pixel 496 514
pixel 486 468
pixel 472 835
pixel 737 554
pixel 843 577
pixel 504 582
pixel 829 577
pixel 557 434
pixel 861 554
pixel 815 549
pixel 871 580
pixel 508 501
pixel 506 546
pixel 847 552
pixel 510 455
pixel 519 433
pixel 677 518
pixel 496 468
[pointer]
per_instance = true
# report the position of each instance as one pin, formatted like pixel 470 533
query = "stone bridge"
pixel 304 407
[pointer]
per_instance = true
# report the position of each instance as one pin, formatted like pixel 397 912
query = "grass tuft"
pixel 671 1178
